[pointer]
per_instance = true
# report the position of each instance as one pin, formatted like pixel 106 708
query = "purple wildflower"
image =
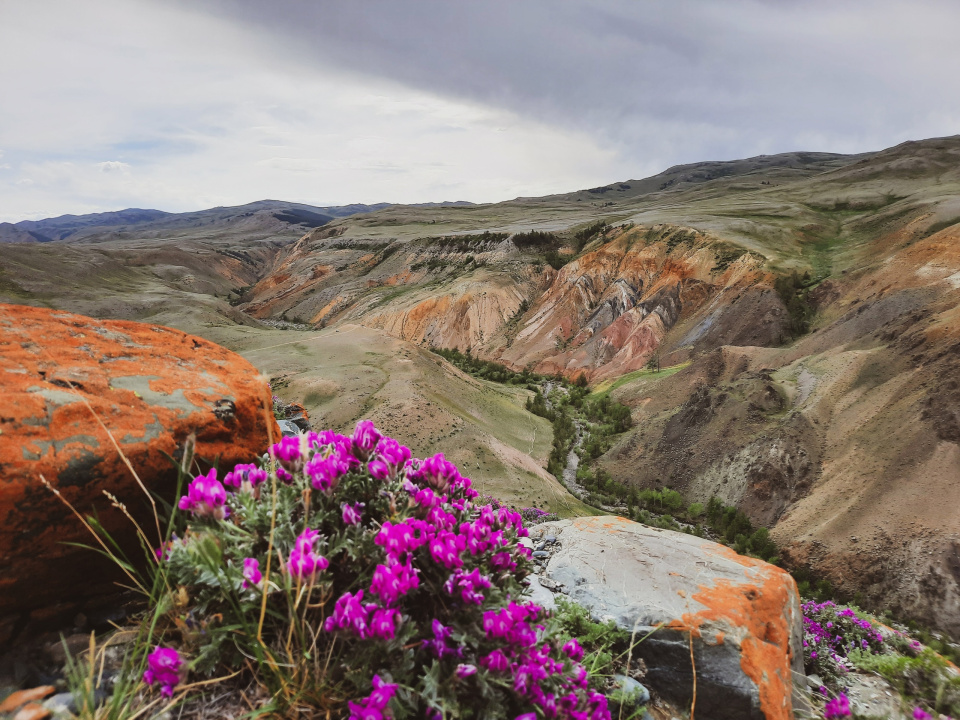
pixel 378 469
pixel 495 661
pixel 288 454
pixel 352 513
pixel 439 473
pixel 384 622
pixel 468 584
pixel 465 671
pixel 349 613
pixel 304 564
pixel 393 580
pixel 325 472
pixel 365 438
pixel 393 454
pixel 373 707
pixel 164 667
pixel 206 497
pixel 573 650
pixel 839 707
pixel 252 577
pixel 245 477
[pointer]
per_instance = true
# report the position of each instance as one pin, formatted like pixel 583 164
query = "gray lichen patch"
pixel 57 398
pixel 150 432
pixel 176 401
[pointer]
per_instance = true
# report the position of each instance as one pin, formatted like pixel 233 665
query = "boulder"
pixel 73 386
pixel 739 618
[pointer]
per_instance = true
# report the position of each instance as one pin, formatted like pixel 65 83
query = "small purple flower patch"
pixel 165 668
pixel 839 707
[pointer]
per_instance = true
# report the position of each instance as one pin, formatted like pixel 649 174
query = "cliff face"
pixel 603 314
pixel 606 313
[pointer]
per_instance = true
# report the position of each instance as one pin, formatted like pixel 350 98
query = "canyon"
pixel 785 330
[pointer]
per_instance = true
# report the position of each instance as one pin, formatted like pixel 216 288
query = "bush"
pixel 793 292
pixel 583 237
pixel 535 239
pixel 556 259
pixel 927 676
pixel 349 577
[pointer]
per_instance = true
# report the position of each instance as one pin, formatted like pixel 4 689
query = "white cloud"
pixel 332 103
pixel 112 166
pixel 209 117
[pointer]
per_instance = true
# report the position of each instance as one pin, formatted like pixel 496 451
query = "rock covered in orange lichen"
pixel 739 618
pixel 73 386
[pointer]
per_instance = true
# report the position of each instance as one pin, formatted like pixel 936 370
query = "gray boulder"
pixel 738 617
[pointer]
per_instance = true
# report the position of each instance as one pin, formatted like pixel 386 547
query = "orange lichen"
pixel 150 387
pixel 765 651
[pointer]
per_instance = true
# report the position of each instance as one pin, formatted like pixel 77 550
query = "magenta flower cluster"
pixel 165 668
pixel 246 478
pixel 304 564
pixel 530 515
pixel 374 706
pixel 406 573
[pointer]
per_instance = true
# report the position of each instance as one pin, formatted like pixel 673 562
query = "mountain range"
pixel 785 330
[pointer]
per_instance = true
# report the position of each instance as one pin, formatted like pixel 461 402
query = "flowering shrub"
pixel 535 516
pixel 370 584
pixel 530 515
pixel 830 634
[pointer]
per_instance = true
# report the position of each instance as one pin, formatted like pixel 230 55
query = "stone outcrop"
pixel 74 391
pixel 733 620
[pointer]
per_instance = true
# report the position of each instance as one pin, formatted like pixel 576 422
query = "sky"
pixel 187 104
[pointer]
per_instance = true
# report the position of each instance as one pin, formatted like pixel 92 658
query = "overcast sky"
pixel 108 104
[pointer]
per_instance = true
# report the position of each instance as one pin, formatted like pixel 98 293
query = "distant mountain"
pixel 12 233
pixel 149 223
pixel 455 203
pixel 771 169
pixel 61 227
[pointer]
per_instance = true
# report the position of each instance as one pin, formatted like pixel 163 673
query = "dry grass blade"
pixel 123 508
pixel 693 666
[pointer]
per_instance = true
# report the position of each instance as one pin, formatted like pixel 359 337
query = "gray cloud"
pixel 685 79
